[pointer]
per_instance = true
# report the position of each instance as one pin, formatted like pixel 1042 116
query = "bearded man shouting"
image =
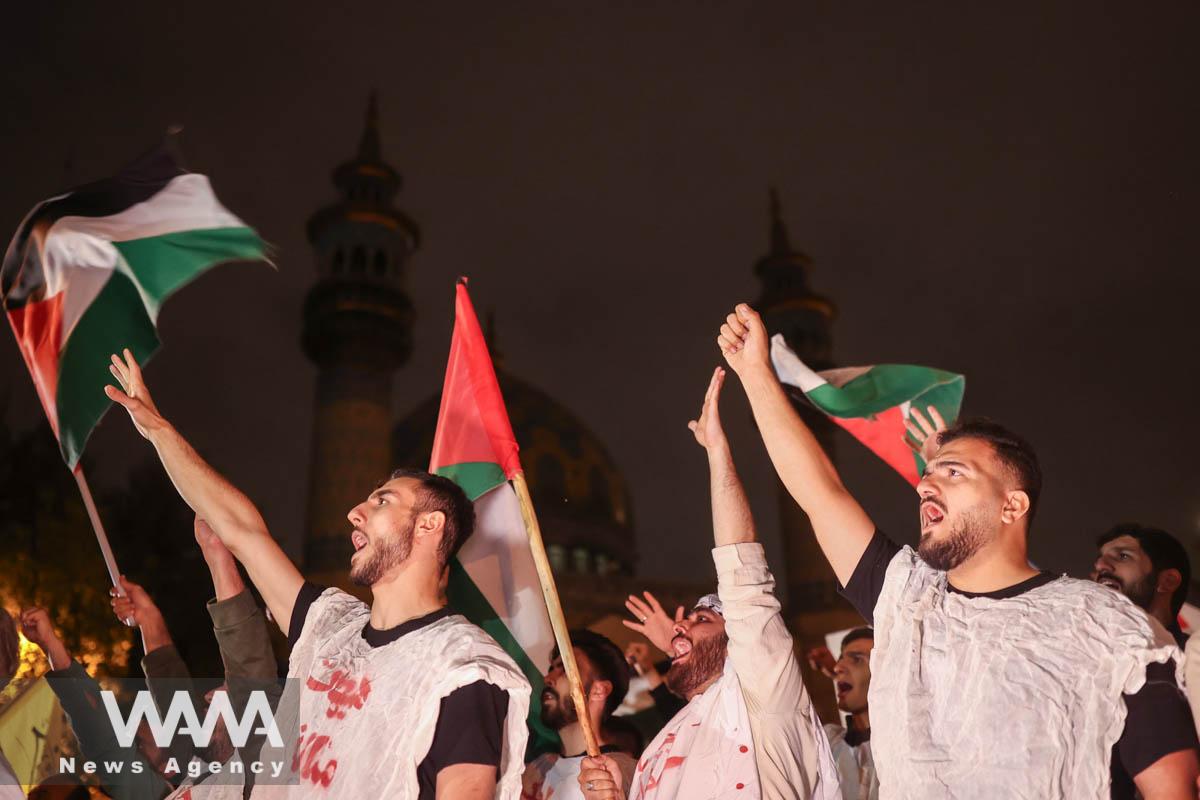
pixel 400 698
pixel 749 730
pixel 989 677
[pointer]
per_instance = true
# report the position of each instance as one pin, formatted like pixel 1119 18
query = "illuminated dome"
pixel 580 496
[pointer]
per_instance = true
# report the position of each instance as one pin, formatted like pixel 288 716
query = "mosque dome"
pixel 580 495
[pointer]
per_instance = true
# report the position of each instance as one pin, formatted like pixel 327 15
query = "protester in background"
pixel 749 729
pixel 245 644
pixel 1150 567
pixel 605 677
pixel 425 703
pixel 10 660
pixel 851 745
pixel 976 688
pixel 126 773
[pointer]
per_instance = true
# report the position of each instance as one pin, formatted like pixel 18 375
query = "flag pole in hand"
pixel 110 561
pixel 557 621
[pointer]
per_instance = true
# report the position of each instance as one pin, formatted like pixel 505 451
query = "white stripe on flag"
pixel 790 368
pixel 498 561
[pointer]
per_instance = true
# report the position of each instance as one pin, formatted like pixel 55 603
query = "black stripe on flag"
pixel 22 277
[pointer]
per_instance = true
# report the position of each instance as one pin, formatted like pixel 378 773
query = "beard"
pixel 562 714
pixel 385 554
pixel 1140 592
pixel 704 663
pixel 966 539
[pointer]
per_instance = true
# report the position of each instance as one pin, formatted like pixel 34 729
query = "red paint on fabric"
pixel 343 691
pixel 306 762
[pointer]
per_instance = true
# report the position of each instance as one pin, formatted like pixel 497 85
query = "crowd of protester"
pixel 988 677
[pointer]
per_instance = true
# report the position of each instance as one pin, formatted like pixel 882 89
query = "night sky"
pixel 1010 194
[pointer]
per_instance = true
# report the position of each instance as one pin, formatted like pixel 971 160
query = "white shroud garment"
pixel 1021 697
pixel 366 715
pixel 705 752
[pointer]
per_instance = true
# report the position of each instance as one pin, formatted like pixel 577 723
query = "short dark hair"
pixel 608 662
pixel 1013 451
pixel 436 493
pixel 857 634
pixel 1164 551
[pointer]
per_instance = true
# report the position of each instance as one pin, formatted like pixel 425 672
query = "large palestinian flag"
pixel 873 402
pixel 493 582
pixel 87 272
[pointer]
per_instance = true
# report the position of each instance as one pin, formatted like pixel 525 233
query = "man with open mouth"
pixel 749 729
pixel 990 678
pixel 1150 567
pixel 399 698
pixel 851 745
pixel 605 677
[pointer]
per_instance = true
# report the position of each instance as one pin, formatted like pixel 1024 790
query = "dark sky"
pixel 1011 194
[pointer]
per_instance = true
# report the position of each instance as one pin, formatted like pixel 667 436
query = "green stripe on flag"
pixel 887 386
pixel 115 319
pixel 162 264
pixel 465 598
pixel 476 478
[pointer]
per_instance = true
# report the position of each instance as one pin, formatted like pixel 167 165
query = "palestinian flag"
pixel 87 272
pixel 873 402
pixel 493 581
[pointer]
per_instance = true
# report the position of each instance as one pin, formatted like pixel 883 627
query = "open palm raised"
pixel 133 394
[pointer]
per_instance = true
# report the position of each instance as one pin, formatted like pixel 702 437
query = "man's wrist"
pixel 57 655
pixel 757 377
pixel 161 432
pixel 155 636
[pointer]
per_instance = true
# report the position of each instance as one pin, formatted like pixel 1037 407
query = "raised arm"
pixel 842 527
pixel 229 512
pixel 732 521
pixel 759 642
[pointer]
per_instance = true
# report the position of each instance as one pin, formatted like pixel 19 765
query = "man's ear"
pixel 600 690
pixel 430 523
pixel 1016 505
pixel 1169 580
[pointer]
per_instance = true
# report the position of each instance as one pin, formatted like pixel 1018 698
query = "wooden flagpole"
pixel 557 621
pixel 110 561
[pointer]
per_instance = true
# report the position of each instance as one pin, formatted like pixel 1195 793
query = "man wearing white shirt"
pixel 749 729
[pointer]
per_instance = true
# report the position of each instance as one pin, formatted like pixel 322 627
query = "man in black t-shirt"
pixel 397 698
pixel 989 678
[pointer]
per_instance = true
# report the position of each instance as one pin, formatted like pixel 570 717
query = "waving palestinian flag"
pixel 493 581
pixel 87 272
pixel 873 402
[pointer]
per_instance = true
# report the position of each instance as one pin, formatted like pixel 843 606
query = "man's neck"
pixel 703 688
pixel 573 741
pixel 999 565
pixel 1163 615
pixel 408 592
pixel 860 721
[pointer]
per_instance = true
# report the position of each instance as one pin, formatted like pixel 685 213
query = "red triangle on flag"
pixel 473 423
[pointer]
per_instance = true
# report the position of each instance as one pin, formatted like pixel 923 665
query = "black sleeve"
pixel 307 595
pixel 668 704
pixel 864 586
pixel 1159 721
pixel 470 730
